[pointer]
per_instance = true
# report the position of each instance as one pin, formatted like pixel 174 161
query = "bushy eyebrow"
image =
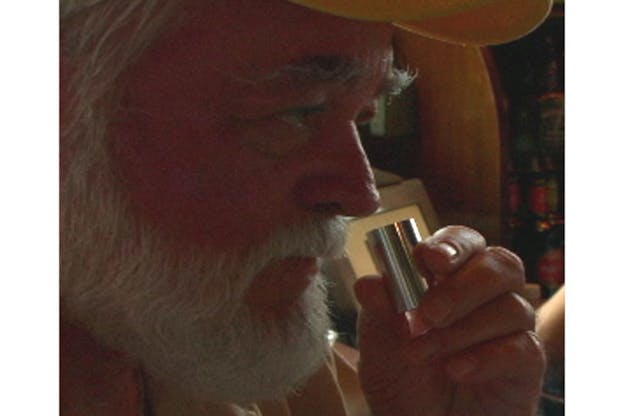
pixel 396 81
pixel 335 68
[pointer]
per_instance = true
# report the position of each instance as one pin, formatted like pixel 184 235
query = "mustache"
pixel 316 237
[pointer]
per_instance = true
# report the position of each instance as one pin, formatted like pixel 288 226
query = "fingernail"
pixel 416 325
pixel 449 249
pixel 461 367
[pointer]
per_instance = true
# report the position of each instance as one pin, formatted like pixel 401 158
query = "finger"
pixel 470 331
pixel 517 356
pixel 447 250
pixel 483 278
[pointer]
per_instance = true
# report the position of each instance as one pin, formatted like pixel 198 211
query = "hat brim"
pixel 470 22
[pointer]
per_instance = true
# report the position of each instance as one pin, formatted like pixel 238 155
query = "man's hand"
pixel 469 348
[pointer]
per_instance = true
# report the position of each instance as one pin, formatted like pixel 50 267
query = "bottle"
pixel 538 192
pixel 523 139
pixel 537 219
pixel 554 191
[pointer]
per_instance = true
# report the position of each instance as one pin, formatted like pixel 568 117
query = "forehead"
pixel 251 37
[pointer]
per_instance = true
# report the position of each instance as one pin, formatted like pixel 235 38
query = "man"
pixel 209 157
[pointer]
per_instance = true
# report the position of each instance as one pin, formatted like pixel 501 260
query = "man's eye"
pixel 299 116
pixel 279 134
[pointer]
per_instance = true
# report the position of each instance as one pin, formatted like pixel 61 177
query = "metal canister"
pixel 391 247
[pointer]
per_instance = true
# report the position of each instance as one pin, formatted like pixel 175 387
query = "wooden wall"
pixel 459 151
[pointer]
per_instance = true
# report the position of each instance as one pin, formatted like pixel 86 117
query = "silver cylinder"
pixel 391 249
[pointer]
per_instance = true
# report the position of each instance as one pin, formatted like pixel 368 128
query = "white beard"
pixel 183 315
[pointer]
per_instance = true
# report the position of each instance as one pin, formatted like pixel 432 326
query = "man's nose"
pixel 339 179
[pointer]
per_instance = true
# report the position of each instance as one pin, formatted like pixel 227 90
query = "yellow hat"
pixel 471 22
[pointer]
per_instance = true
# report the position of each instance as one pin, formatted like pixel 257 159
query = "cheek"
pixel 197 187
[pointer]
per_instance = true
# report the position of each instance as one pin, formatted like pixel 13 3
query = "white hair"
pixel 98 43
